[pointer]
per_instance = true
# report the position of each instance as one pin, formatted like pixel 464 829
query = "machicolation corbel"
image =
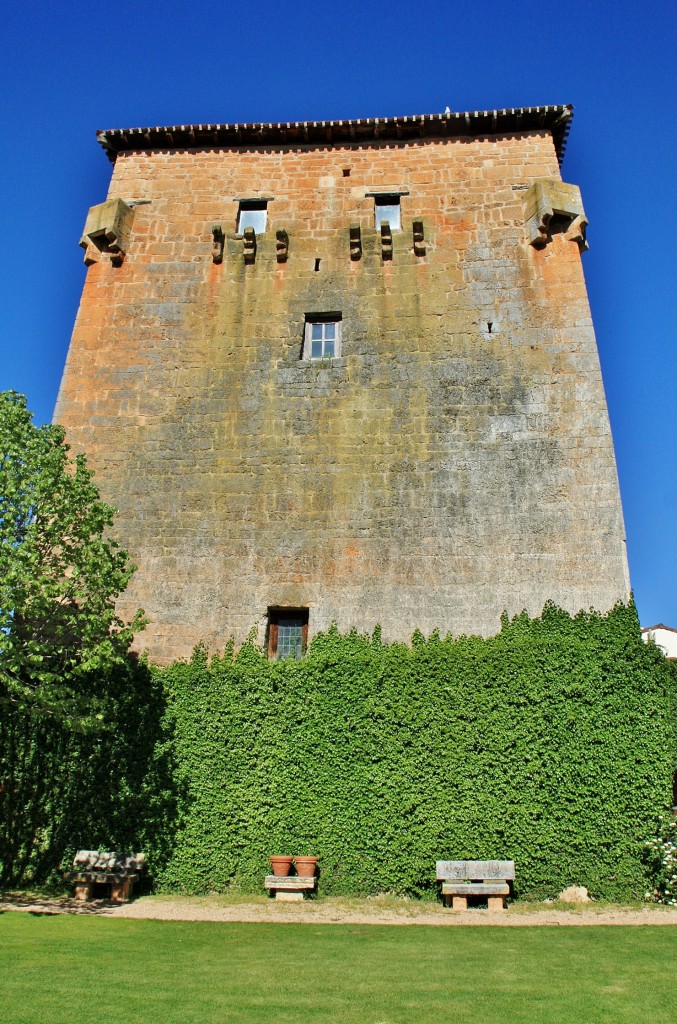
pixel 281 246
pixel 386 240
pixel 576 233
pixel 419 239
pixel 219 242
pixel 355 242
pixel 107 231
pixel 550 207
pixel 249 245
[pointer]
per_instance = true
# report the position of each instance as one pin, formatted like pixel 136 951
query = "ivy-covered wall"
pixel 552 744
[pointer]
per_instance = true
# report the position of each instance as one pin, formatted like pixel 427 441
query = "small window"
pixel 252 213
pixel 287 633
pixel 387 208
pixel 323 336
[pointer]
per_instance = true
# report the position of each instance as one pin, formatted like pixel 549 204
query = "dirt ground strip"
pixel 370 911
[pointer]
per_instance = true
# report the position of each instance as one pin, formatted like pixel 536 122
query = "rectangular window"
pixel 387 208
pixel 323 336
pixel 252 213
pixel 287 633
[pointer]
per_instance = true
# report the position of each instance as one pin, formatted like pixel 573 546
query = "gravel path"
pixel 376 911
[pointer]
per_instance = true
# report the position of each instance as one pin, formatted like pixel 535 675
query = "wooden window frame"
pixel 274 616
pixel 322 318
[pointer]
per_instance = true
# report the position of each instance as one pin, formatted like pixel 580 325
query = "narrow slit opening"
pixel 489 326
pixel 317 265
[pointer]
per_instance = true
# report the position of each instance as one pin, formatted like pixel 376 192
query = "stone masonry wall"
pixel 438 472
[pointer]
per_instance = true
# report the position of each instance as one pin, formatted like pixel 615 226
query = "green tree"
pixel 59 576
pixel 81 755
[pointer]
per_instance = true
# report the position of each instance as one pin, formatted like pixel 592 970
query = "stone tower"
pixel 345 372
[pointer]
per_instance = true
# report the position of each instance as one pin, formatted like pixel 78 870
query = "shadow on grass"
pixel 46 906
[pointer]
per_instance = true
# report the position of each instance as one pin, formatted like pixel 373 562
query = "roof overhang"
pixel 472 124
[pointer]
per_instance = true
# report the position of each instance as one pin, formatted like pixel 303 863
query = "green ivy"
pixel 62 789
pixel 552 744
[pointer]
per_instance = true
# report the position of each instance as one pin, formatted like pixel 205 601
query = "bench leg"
pixel 120 891
pixel 459 902
pixel 83 891
pixel 496 902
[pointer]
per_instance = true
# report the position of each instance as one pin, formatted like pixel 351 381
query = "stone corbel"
pixel 419 240
pixel 249 245
pixel 386 240
pixel 551 205
pixel 281 246
pixel 107 231
pixel 218 243
pixel 355 242
pixel 576 232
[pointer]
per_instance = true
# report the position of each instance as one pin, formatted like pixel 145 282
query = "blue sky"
pixel 67 71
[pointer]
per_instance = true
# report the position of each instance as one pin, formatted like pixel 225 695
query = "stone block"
pixel 574 894
pixel 107 230
pixel 551 203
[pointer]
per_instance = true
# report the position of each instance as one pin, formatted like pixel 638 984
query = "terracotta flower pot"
pixel 281 866
pixel 305 866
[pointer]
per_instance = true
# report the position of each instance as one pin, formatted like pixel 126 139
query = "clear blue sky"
pixel 68 70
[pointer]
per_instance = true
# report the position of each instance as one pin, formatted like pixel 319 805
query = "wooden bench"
pixel 98 867
pixel 290 888
pixel 489 879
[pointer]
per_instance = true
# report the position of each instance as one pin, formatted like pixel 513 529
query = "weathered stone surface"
pixel 550 201
pixel 574 894
pixel 495 903
pixel 107 231
pixel 454 462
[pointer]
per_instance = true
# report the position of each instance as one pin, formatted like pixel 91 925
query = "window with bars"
pixel 287 633
pixel 322 337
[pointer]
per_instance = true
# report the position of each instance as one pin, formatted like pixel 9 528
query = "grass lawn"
pixel 86 970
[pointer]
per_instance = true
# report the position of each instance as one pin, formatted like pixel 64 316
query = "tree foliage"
pixel 82 748
pixel 59 574
pixel 108 788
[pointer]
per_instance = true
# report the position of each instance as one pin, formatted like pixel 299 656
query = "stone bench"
pixel 488 879
pixel 289 888
pixel 99 867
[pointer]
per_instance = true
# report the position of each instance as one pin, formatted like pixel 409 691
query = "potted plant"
pixel 281 866
pixel 305 866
